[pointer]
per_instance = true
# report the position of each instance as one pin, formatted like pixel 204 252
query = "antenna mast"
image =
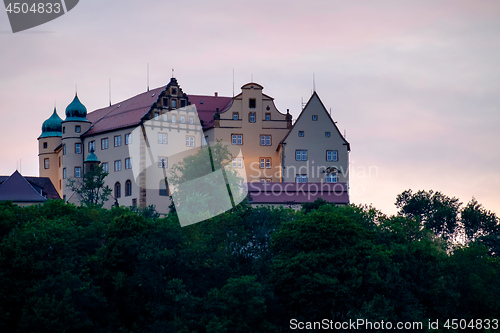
pixel 148 76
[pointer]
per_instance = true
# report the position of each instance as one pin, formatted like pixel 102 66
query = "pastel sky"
pixel 415 85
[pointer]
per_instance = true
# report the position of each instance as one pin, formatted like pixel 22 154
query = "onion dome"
pixel 92 157
pixel 52 126
pixel 76 111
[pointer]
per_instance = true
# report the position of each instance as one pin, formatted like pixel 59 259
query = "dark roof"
pixel 129 112
pixel 40 184
pixel 290 193
pixel 18 189
pixel 207 106
pixel 123 114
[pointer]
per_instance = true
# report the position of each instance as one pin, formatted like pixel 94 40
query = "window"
pixel 118 165
pixel 267 117
pixel 265 140
pixel 301 155
pixel 183 119
pixel 238 162
pixel 265 163
pixel 191 119
pixel 301 133
pixel 118 190
pixel 162 138
pixel 118 140
pixel 327 134
pixel 64 129
pixel 78 148
pixel 236 116
pixel 237 139
pixel 104 143
pixel 46 163
pixel 301 178
pixel 128 188
pixel 165 116
pixel 162 162
pixel 45 145
pixel 251 103
pixel 105 167
pixel 78 129
pixel 78 172
pixel 189 141
pixel 165 102
pixel 134 202
pixel 157 116
pixel 64 173
pixel 174 91
pixel 59 161
pixel 174 103
pixel 128 163
pixel 91 146
pixel 64 149
pixel 174 118
pixel 315 117
pixel 163 188
pixel 251 117
pixel 265 180
pixel 128 138
pixel 331 155
pixel 331 178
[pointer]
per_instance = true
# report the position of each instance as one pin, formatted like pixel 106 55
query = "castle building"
pixel 284 162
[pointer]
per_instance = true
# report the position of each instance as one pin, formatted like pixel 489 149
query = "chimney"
pixel 216 94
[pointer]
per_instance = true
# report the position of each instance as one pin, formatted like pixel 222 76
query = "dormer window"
pixel 315 117
pixel 174 91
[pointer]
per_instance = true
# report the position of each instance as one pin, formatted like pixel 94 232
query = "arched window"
pixel 118 190
pixel 163 188
pixel 128 188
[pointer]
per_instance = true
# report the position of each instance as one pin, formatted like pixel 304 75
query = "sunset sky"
pixel 415 85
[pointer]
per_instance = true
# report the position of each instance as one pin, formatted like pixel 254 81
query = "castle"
pixel 285 163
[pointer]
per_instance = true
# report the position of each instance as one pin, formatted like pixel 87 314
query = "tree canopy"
pixel 65 268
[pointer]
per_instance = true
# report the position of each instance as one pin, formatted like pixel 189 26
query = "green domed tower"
pixel 73 127
pixel 48 142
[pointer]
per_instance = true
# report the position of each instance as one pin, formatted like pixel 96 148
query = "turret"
pixel 49 161
pixel 73 127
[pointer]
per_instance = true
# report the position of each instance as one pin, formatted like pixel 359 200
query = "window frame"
pixel 334 156
pixel 301 134
pixel 117 140
pixel 46 163
pixel 265 162
pixel 128 188
pixel 162 162
pixel 78 148
pixel 267 139
pixel 128 163
pixel 302 178
pixel 301 153
pixel 239 139
pixel 162 138
pixel 117 165
pixel 190 142
pixel 104 143
pixel 78 172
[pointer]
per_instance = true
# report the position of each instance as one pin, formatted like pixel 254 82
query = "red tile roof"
pixel 130 111
pixel 207 106
pixel 123 114
pixel 286 193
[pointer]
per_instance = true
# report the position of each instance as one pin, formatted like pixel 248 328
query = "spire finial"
pixel 172 73
pixel 109 91
pixel 314 83
pixel 148 76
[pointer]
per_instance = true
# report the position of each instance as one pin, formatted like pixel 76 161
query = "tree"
pixel 435 211
pixel 91 189
pixel 204 184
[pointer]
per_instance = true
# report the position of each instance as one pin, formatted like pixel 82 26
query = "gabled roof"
pixel 207 106
pixel 18 189
pixel 130 112
pixel 315 96
pixel 123 114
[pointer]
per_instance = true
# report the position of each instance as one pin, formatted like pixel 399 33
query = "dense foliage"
pixel 85 269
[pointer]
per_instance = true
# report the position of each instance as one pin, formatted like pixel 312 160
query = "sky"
pixel 414 85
